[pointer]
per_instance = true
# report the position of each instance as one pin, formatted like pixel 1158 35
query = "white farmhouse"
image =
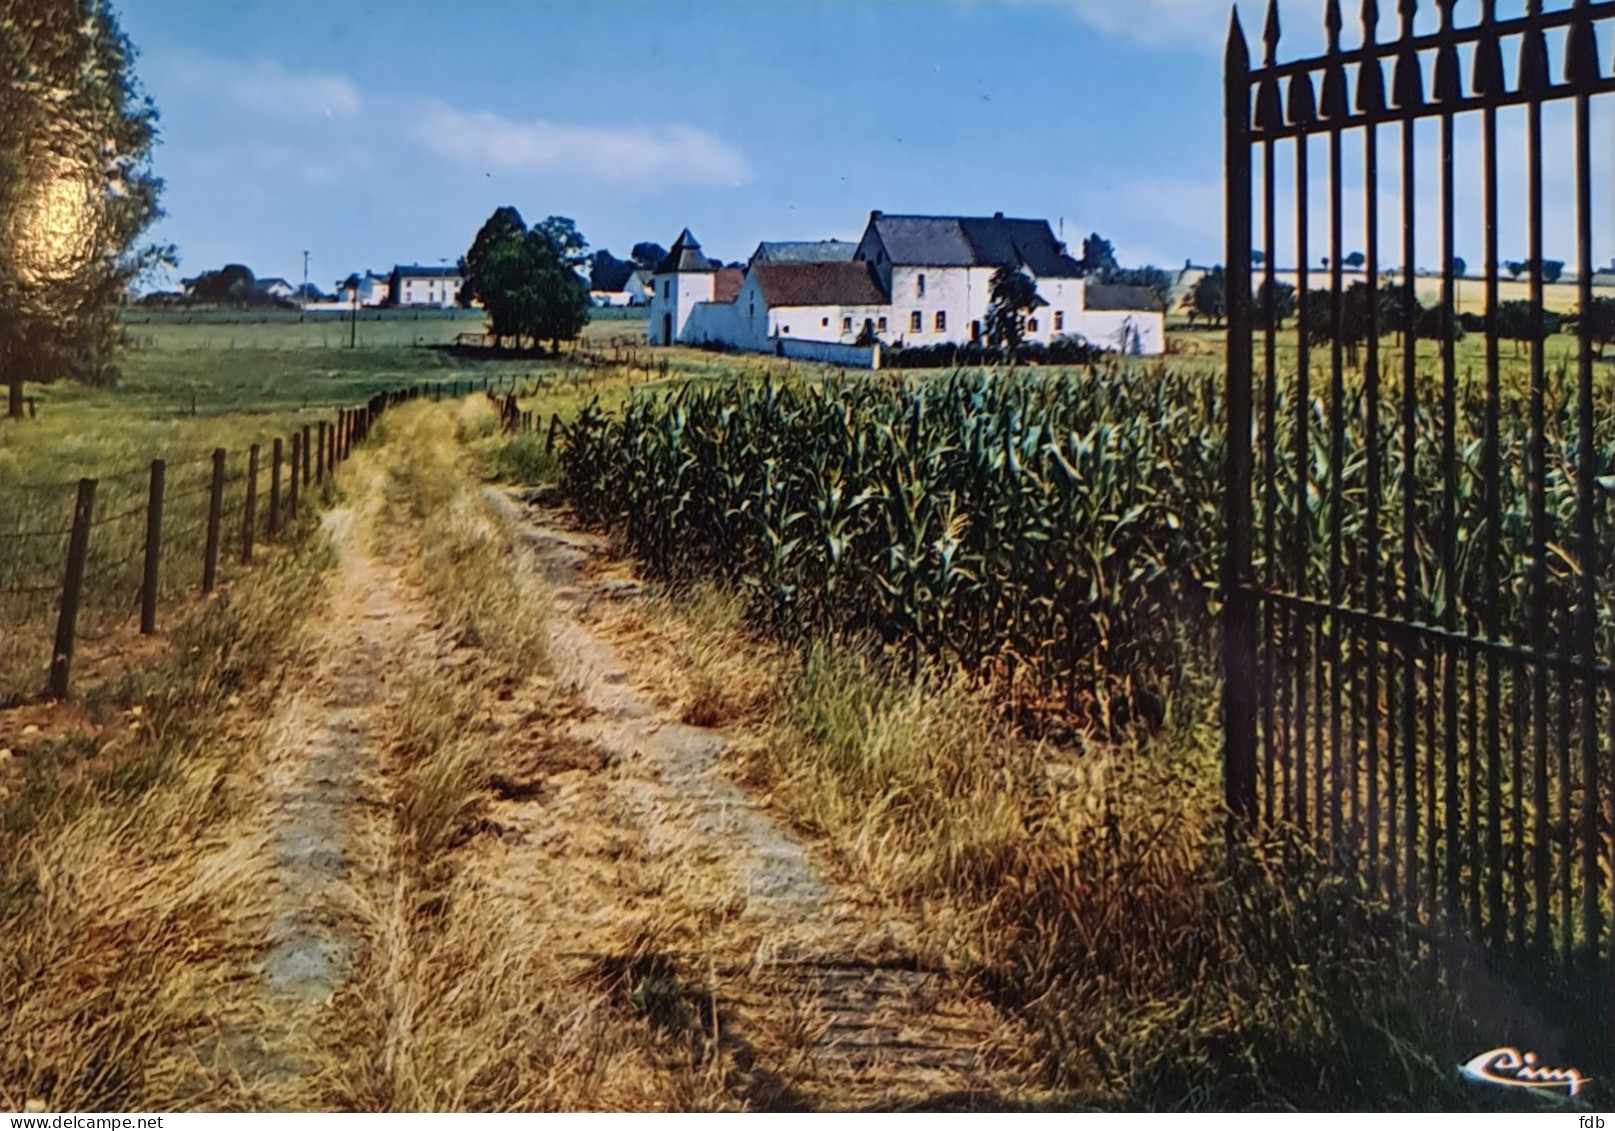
pixel 909 281
pixel 414 285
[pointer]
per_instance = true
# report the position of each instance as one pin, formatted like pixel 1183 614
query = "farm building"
pixel 373 290
pixel 910 281
pixel 414 285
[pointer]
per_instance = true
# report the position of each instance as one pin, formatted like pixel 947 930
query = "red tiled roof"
pixel 818 284
pixel 726 287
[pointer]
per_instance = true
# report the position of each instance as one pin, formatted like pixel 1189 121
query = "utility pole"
pixel 305 278
pixel 353 321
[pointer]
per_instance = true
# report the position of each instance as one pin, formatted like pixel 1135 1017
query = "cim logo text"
pixel 1510 1068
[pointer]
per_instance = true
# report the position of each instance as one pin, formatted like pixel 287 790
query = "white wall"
pixel 1138 332
pixel 834 353
pixel 677 295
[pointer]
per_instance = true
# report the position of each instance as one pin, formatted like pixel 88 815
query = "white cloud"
pixel 269 88
pixel 670 154
pixel 1191 22
pixel 265 87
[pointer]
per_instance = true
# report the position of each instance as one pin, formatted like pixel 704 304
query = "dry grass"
pixel 1094 892
pixel 477 989
pixel 129 883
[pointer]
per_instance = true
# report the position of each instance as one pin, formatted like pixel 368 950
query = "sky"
pixel 370 134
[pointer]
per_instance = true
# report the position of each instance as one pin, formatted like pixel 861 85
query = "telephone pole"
pixel 305 278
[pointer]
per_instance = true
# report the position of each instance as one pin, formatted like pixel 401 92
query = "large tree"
pixel 1098 256
pixel 648 256
pixel 76 189
pixel 1209 298
pixel 525 280
pixel 1013 296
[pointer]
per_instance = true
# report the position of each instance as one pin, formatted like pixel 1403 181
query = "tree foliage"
pixel 1013 297
pixel 1515 323
pixel 1209 298
pixel 76 189
pixel 1155 278
pixel 524 281
pixel 1597 322
pixel 608 273
pixel 647 256
pixel 1098 256
pixel 1283 301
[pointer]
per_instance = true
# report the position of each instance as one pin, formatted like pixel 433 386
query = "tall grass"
pixel 128 881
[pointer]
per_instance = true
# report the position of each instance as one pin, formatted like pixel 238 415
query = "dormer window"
pixel 919 286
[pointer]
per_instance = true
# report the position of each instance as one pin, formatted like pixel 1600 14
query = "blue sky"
pixel 372 134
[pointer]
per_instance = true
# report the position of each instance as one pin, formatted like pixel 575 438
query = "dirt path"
pixel 319 775
pixel 810 984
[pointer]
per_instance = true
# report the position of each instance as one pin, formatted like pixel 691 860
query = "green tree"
pixel 648 256
pixel 1209 299
pixel 565 238
pixel 1098 256
pixel 1283 301
pixel 1516 324
pixel 1597 322
pixel 558 306
pixel 76 190
pixel 1013 295
pixel 492 271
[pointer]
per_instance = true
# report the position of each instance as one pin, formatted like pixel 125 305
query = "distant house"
pixel 373 290
pixel 277 288
pixel 638 288
pixel 414 285
pixel 910 281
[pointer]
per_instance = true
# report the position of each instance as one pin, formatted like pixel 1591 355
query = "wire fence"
pixel 93 561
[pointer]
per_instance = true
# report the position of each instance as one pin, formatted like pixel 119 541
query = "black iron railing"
pixel 1419 627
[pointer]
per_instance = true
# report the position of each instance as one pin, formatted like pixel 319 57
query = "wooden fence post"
pixel 215 512
pixel 319 466
pixel 307 476
pixel 549 441
pixel 249 513
pixel 297 477
pixel 274 489
pixel 154 548
pixel 78 548
pixel 342 423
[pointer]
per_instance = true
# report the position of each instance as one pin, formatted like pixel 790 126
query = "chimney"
pixel 998 215
pixel 876 214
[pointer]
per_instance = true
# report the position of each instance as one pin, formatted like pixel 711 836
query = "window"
pixel 1031 325
pixel 1059 320
pixel 881 325
pixel 787 329
pixel 667 288
pixel 846 325
pixel 824 322
pixel 916 322
pixel 941 321
pixel 919 287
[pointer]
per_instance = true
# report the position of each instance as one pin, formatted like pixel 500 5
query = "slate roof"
pixel 265 284
pixel 974 241
pixel 416 271
pixel 686 256
pixel 1116 297
pixel 819 284
pixel 798 251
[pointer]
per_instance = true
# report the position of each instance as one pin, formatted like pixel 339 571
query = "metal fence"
pixel 1418 627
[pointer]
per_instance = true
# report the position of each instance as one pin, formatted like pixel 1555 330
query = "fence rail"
pixel 1418 628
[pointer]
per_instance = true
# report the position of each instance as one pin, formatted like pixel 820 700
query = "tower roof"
pixel 685 257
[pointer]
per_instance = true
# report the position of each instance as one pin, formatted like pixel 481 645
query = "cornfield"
pixel 1063 531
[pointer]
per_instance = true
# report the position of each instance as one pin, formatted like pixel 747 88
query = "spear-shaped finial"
pixel 1238 56
pixel 1408 10
pixel 1332 22
pixel 1370 20
pixel 1581 52
pixel 1272 32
